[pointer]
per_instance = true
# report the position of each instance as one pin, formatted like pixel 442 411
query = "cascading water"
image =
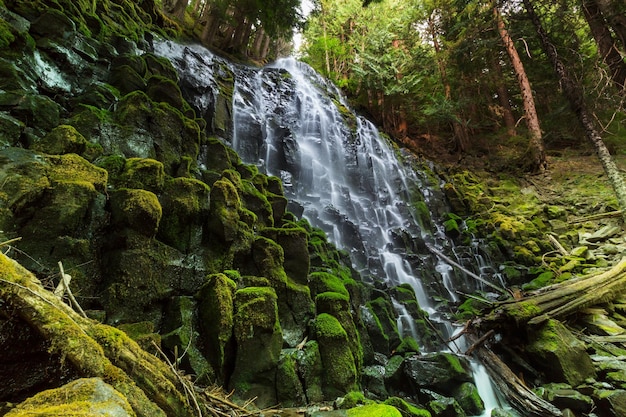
pixel 337 171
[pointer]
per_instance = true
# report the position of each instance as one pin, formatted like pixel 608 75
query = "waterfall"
pixel 338 172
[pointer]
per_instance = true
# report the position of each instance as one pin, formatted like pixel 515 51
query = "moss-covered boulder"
pixel 294 242
pixel 468 398
pixel 338 306
pixel 89 397
pixel 224 210
pixel 558 353
pixel 180 336
pixel 258 336
pixel 142 173
pixel 340 372
pixel 215 310
pixel 295 306
pixel 139 210
pixel 374 410
pixel 185 203
pixel 61 140
pixel 311 371
pixel 380 320
pixel 289 389
pixel 407 409
pixel 441 371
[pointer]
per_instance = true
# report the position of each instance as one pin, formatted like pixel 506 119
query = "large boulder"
pixel 559 354
pixel 340 371
pixel 89 397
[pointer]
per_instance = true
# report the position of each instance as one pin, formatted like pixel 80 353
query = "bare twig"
pixel 65 279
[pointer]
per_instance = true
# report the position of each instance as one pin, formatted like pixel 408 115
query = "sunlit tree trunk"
pixel 606 45
pixel 538 161
pixel 574 95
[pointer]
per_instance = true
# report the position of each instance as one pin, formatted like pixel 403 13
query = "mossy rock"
pixel 139 210
pixel 321 282
pixel 179 335
pixel 381 325
pixel 338 306
pixel 61 140
pixel 310 370
pixel 89 397
pixel 185 203
pixel 407 408
pixel 126 79
pixel 142 173
pixel 468 398
pixel 289 389
pixel 340 375
pixel 10 130
pixel 215 156
pixel 161 89
pixel 215 310
pixel 38 112
pixel 294 242
pixel 374 410
pixel 562 356
pixel 224 210
pixel 259 339
pixel 440 371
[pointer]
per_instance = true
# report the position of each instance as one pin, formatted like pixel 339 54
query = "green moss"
pixel 341 373
pixel 185 203
pixel 142 173
pixel 62 139
pixel 542 280
pixel 353 399
pixel 138 209
pixel 524 311
pixel 71 166
pixel 86 397
pixel 408 346
pixel 407 408
pixel 321 282
pixel 374 410
pixel 216 311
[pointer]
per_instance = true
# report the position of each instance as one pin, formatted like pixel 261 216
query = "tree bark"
pixel 561 300
pixel 460 130
pixel 574 95
pixel 606 45
pixel 538 161
pixel 505 101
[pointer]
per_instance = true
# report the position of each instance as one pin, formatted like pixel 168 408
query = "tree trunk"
pixel 505 101
pixel 461 135
pixel 574 95
pixel 606 46
pixel 538 161
pixel 563 299
pixel 614 13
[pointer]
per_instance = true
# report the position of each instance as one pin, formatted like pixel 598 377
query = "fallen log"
pixel 563 299
pixel 519 396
